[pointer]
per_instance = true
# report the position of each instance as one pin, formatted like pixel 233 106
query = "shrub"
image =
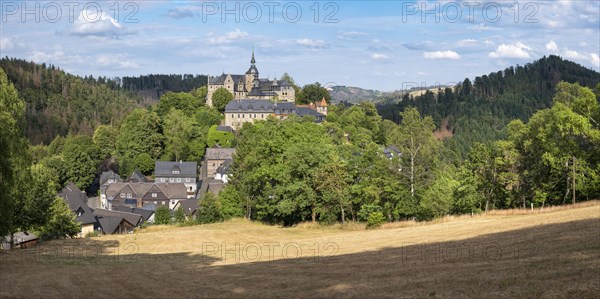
pixel 209 210
pixel 162 215
pixel 375 220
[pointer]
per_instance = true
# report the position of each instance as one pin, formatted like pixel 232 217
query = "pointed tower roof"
pixel 323 103
pixel 252 70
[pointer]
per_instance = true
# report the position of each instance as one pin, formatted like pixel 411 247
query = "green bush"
pixel 224 139
pixel 209 210
pixel 375 220
pixel 162 215
pixel 366 211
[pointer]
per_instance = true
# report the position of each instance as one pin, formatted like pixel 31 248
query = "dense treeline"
pixel 58 103
pixel 295 170
pixel 478 111
pixel 28 190
pixel 152 87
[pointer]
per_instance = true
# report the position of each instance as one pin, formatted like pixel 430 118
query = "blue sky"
pixel 384 45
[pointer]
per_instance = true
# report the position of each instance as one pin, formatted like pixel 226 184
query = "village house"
pixel 109 225
pixel 189 207
pixel 250 86
pixel 22 240
pixel 136 195
pixel 77 201
pixel 107 178
pixel 215 157
pixel 178 172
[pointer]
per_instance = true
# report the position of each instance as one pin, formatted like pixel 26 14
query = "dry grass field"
pixel 550 253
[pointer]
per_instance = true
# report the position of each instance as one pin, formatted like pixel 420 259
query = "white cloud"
pixel 119 62
pixel 467 43
pixel 572 54
pixel 379 56
pixel 552 46
pixel 93 23
pixel 516 50
pixel 441 55
pixel 9 43
pixel 595 60
pixel 180 13
pixel 312 43
pixel 228 38
pixel 350 35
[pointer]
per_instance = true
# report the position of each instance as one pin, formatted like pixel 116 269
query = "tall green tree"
pixel 62 222
pixel 139 133
pixel 220 98
pixel 419 147
pixel 81 157
pixel 312 93
pixel 105 138
pixel 12 147
pixel 183 101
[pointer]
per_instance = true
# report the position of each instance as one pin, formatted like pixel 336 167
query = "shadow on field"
pixel 558 260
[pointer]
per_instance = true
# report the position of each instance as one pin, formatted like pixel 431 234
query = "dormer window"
pixel 175 172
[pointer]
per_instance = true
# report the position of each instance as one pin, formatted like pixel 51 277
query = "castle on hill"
pixel 250 86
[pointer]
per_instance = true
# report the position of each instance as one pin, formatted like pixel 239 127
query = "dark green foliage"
pixel 224 139
pixel 59 103
pixel 62 223
pixel 220 98
pixel 81 159
pixel 375 220
pixel 231 203
pixel 312 93
pixel 179 215
pixel 162 215
pixel 144 163
pixel 209 209
pixel 139 134
pixel 183 101
pixel 479 111
pixel 105 138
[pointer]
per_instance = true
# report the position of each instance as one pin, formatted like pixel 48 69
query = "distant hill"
pixel 479 110
pixel 58 103
pixel 354 94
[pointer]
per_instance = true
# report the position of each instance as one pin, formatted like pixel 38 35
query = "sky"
pixel 382 45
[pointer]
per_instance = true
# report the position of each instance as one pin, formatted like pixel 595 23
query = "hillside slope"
pixel 478 111
pixel 541 254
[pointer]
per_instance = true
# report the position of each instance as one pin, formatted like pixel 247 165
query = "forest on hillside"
pixel 58 103
pixel 479 110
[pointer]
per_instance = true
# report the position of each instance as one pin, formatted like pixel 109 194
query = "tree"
pixel 209 209
pixel 144 163
pixel 312 93
pixel 224 139
pixel 34 197
pixel 139 133
pixel 419 147
pixel 105 138
pixel 179 215
pixel 12 147
pixel 177 129
pixel 183 101
pixel 62 223
pixel 81 157
pixel 200 94
pixel 332 181
pixel 232 203
pixel 220 98
pixel 162 215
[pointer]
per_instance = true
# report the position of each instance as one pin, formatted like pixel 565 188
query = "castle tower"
pixel 252 73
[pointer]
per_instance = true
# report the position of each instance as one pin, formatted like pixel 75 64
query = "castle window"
pixel 255 115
